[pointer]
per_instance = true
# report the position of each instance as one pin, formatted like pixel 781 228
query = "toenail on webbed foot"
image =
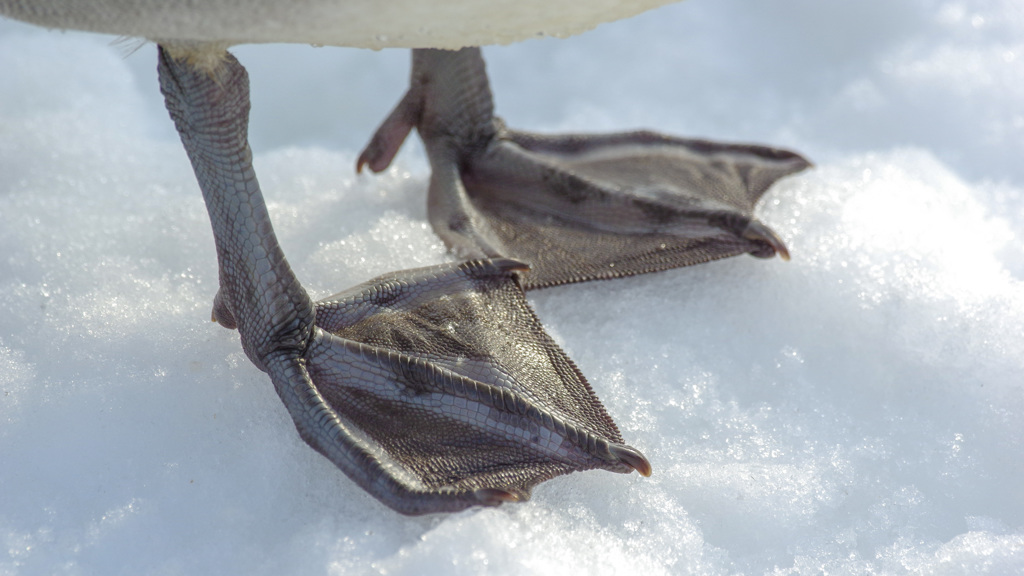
pixel 758 232
pixel 633 458
pixel 495 496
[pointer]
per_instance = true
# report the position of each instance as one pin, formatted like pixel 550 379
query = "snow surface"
pixel 857 410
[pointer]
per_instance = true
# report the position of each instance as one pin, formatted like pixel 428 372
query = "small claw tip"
pixel 510 264
pixel 759 232
pixel 494 496
pixel 634 459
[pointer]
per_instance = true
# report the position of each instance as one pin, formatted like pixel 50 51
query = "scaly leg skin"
pixel 575 207
pixel 434 389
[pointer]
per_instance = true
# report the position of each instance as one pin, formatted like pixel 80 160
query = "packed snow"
pixel 859 409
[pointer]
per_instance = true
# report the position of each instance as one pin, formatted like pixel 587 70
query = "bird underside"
pixel 575 207
pixel 357 23
pixel 434 389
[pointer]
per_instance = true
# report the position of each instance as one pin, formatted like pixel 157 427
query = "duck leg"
pixel 576 207
pixel 434 389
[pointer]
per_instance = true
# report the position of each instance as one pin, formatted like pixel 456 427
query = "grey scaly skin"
pixel 575 207
pixel 434 389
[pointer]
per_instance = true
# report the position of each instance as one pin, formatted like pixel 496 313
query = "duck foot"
pixel 576 207
pixel 434 389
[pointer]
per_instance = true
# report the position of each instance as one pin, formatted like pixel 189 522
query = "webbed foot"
pixel 454 388
pixel 434 389
pixel 576 207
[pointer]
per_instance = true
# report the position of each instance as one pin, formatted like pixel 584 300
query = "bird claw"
pixel 495 496
pixel 758 232
pixel 510 265
pixel 221 313
pixel 633 458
